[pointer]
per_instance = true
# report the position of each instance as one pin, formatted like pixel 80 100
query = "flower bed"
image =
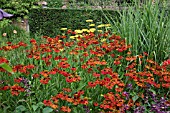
pixel 86 70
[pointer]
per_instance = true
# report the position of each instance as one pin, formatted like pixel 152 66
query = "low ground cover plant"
pixel 89 70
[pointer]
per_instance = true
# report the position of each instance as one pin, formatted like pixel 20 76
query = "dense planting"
pixel 82 71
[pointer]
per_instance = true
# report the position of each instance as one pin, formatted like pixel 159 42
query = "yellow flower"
pixel 90 20
pixel 63 29
pixel 81 36
pixel 103 40
pixel 107 25
pixel 61 49
pixel 101 25
pixel 92 25
pixel 84 30
pixel 72 37
pixel 78 31
pixel 87 98
pixel 77 39
pixel 88 31
pixel 59 40
pixel 78 36
pixel 100 31
pixel 92 29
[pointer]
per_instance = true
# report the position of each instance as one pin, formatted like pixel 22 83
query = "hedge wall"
pixel 49 21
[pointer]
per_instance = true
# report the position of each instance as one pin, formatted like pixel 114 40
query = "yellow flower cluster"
pixel 79 32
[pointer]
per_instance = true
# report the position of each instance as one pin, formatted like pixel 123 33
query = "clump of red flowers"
pixel 166 64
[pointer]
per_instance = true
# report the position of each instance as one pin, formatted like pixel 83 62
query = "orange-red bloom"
pixel 65 109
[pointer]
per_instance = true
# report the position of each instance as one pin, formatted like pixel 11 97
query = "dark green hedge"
pixel 49 21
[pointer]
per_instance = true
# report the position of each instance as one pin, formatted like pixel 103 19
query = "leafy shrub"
pixel 49 21
pixel 54 3
pixel 20 8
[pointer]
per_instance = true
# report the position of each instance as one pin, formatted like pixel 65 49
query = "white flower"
pixel 4 34
pixel 14 31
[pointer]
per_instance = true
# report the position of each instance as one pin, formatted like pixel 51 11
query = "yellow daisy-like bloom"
pixel 90 20
pixel 81 36
pixel 101 95
pixel 72 37
pixel 78 31
pixel 100 31
pixel 84 30
pixel 87 98
pixel 92 25
pixel 103 40
pixel 88 31
pixel 77 39
pixel 107 25
pixel 61 49
pixel 59 40
pixel 78 36
pixel 101 25
pixel 63 29
pixel 92 29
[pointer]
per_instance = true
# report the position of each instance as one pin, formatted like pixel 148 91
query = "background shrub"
pixel 20 8
pixel 49 21
pixel 54 3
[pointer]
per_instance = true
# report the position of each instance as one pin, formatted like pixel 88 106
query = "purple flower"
pixel 129 86
pixel 86 108
pixel 57 110
pixel 27 86
pixel 126 95
pixel 3 14
pixel 124 108
pixel 139 109
pixel 159 106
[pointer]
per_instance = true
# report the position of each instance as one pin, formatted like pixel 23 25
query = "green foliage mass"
pixel 54 3
pixel 20 8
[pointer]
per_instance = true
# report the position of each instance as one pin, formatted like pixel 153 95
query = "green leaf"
pixel 82 85
pixel 40 104
pixel 34 107
pixel 21 108
pixel 6 67
pixel 152 91
pixel 17 111
pixel 135 98
pixel 47 110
